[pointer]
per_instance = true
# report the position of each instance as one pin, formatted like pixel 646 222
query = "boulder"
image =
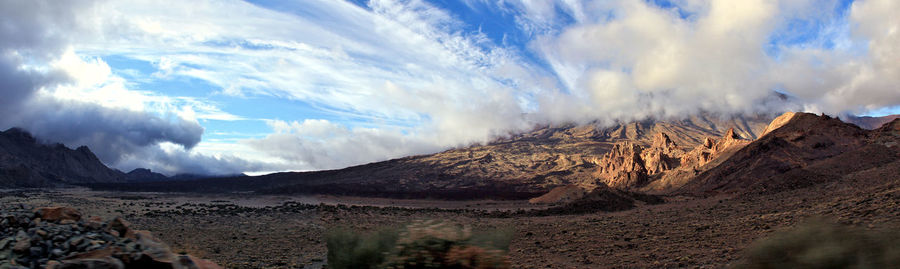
pixel 59 213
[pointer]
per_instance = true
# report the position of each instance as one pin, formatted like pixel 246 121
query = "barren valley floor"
pixel 245 231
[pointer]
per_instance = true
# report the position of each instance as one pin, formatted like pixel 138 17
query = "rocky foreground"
pixel 59 238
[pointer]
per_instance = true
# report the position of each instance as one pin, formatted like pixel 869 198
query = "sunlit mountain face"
pixel 225 87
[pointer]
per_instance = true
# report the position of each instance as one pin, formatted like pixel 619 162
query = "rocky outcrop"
pixel 622 167
pixel 57 238
pixel 628 165
pixel 663 165
pixel 711 149
pixel 662 155
pixel 701 158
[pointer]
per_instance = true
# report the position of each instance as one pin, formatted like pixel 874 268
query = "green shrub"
pixel 819 244
pixel 421 244
pixel 350 249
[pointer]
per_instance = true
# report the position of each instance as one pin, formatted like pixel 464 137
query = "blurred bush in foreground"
pixel 421 244
pixel 821 244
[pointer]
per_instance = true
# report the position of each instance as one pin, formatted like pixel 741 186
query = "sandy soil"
pixel 247 231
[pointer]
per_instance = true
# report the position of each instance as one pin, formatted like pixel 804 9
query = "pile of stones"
pixel 59 238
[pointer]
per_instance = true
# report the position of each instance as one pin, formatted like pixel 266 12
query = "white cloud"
pixel 406 78
pixel 320 144
pixel 847 80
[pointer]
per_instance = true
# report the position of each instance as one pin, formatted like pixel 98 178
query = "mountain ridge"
pixel 24 162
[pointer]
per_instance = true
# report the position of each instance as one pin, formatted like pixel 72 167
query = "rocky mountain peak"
pixel 24 162
pixel 731 135
pixel 19 135
pixel 662 141
pixel 778 122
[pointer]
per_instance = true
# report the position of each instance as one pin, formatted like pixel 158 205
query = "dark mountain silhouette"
pixel 144 175
pixel 27 162
pixel 24 162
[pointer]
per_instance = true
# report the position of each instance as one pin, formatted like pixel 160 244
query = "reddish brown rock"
pixel 94 222
pixel 122 227
pixel 663 155
pixel 58 213
pixel 622 167
pixel 711 149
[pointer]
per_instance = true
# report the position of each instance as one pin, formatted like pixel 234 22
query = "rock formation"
pixel 710 149
pixel 663 164
pixel 622 167
pixel 662 155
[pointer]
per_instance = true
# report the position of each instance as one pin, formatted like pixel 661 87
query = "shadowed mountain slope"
pixel 24 162
pixel 806 149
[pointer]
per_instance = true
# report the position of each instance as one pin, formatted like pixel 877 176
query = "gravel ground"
pixel 286 232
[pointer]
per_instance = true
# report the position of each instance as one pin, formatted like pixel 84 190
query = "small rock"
pixel 35 251
pixel 94 222
pixel 58 213
pixel 121 226
pixel 22 245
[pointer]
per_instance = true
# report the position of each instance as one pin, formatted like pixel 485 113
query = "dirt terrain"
pixel 245 231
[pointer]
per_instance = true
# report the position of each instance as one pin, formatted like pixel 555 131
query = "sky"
pixel 224 87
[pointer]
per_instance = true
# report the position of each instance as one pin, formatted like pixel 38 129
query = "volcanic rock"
pixel 662 155
pixel 58 213
pixel 712 149
pixel 622 167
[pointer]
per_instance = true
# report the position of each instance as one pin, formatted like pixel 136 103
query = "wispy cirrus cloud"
pixel 326 84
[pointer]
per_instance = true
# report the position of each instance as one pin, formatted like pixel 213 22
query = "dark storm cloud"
pixel 34 33
pixel 111 133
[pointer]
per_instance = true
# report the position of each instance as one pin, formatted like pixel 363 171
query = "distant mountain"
pixel 696 156
pixel 144 175
pixel 517 167
pixel 24 162
pixel 870 123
